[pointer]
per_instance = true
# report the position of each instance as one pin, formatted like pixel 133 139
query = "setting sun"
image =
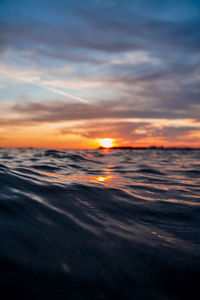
pixel 107 143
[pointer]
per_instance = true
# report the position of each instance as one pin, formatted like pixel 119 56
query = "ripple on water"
pixel 99 224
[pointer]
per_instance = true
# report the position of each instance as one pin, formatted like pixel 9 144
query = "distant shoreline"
pixel 104 148
pixel 149 148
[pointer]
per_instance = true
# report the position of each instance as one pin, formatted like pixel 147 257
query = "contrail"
pixel 54 90
pixel 64 93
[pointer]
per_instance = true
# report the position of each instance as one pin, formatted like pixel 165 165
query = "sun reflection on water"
pixel 102 178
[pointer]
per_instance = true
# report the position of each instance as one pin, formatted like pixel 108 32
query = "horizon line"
pixel 112 148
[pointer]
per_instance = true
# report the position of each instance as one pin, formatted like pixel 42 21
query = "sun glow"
pixel 106 143
pixel 102 179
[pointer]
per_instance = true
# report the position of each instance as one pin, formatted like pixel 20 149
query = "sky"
pixel 75 72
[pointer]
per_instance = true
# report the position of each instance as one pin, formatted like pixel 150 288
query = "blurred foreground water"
pixel 99 224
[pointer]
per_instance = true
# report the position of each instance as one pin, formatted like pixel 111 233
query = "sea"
pixel 99 224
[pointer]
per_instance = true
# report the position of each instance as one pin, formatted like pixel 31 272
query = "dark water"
pixel 99 224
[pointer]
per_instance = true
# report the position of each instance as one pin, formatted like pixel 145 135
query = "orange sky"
pixel 87 135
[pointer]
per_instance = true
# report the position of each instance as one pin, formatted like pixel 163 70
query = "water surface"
pixel 99 224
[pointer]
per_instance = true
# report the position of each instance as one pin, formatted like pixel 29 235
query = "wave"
pixel 99 224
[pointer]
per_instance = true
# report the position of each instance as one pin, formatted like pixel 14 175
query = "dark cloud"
pixel 95 26
pixel 61 111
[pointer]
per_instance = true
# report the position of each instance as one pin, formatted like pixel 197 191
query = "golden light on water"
pixel 101 178
pixel 106 143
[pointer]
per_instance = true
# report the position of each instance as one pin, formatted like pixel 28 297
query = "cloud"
pixel 59 111
pixel 129 133
pixel 91 121
pixel 93 26
pixel 35 77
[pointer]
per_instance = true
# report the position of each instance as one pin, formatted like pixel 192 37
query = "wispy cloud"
pixel 34 77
